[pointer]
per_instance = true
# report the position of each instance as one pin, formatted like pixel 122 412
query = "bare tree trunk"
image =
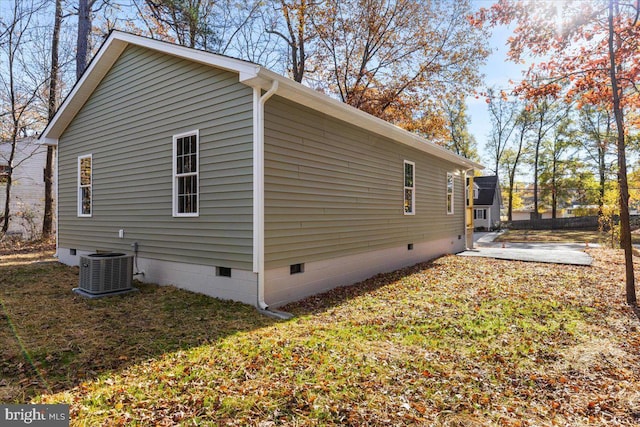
pixel 510 209
pixel 536 167
pixel 602 168
pixel 512 178
pixel 295 17
pixel 15 122
pixel 602 184
pixel 18 101
pixel 84 31
pixel 7 199
pixel 47 222
pixel 625 229
pixel 554 190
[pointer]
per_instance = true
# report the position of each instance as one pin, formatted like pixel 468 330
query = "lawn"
pixel 553 236
pixel 458 341
pixel 561 236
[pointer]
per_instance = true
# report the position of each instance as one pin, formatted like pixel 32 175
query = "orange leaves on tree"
pixel 387 57
pixel 572 37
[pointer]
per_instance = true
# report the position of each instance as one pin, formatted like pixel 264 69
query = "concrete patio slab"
pixel 557 255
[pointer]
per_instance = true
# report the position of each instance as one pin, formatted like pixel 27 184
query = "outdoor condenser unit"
pixel 104 273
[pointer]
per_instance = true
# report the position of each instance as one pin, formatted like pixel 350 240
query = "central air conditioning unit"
pixel 105 273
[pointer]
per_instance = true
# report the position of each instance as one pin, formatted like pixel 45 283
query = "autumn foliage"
pixel 566 42
pixel 588 53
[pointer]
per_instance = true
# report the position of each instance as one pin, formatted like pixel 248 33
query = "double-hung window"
pixel 479 214
pixel 449 193
pixel 409 187
pixel 85 184
pixel 4 174
pixel 185 174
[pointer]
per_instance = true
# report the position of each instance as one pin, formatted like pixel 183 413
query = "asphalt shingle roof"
pixel 486 189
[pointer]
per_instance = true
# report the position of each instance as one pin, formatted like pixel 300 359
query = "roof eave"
pixel 250 74
pixel 303 95
pixel 83 88
pixel 104 59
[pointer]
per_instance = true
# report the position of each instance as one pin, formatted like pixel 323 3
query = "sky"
pixel 498 71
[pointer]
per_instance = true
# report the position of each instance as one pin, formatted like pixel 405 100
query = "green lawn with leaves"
pixel 458 341
pixel 563 236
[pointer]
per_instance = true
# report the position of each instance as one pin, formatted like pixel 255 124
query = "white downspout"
pixel 258 187
pixel 56 200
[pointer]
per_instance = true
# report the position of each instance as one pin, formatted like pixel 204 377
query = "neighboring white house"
pixel 27 190
pixel 525 214
pixel 486 202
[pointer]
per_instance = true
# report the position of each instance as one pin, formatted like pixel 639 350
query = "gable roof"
pixel 251 74
pixel 487 186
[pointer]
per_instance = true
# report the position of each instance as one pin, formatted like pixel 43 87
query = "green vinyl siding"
pixel 127 125
pixel 332 189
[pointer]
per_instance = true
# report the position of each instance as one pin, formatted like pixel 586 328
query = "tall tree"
pixel 511 157
pixel 616 72
pixel 395 58
pixel 503 112
pixel 547 114
pixel 459 140
pixel 597 138
pixel 84 34
pixel 593 47
pixel 188 20
pixel 47 221
pixel 18 94
pixel 297 32
pixel 559 164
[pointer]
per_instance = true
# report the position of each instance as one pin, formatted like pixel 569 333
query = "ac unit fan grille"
pixel 105 273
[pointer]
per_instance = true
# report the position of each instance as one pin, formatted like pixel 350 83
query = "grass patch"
pixel 457 341
pixel 554 236
pixel 561 236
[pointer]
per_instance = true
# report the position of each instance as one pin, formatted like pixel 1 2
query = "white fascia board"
pixel 47 141
pixel 313 99
pixel 203 57
pixel 82 90
pixel 107 55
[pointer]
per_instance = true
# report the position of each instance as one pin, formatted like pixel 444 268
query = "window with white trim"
pixel 185 174
pixel 479 214
pixel 449 193
pixel 409 187
pixel 4 174
pixel 85 185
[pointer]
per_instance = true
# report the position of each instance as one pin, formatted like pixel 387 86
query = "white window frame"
pixel 177 176
pixel 450 193
pixel 482 212
pixel 476 191
pixel 412 188
pixel 80 187
pixel 4 173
